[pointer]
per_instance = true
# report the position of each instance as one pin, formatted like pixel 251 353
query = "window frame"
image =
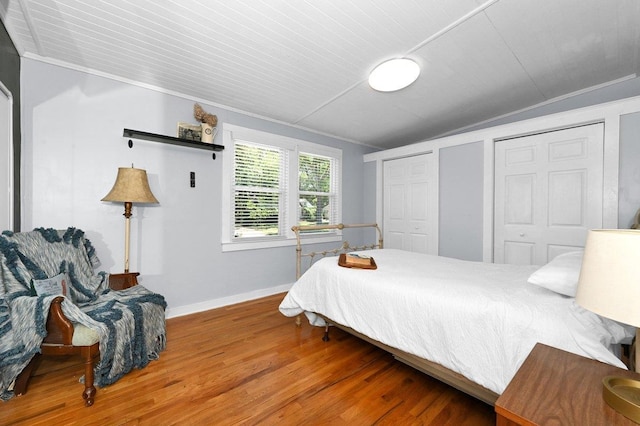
pixel 233 133
pixel 334 188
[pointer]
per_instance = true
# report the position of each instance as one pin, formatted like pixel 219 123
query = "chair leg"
pixel 89 354
pixel 22 381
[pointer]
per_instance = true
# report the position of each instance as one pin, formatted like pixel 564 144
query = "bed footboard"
pixel 344 248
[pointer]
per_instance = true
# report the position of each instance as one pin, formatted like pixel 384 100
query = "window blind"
pixel 260 176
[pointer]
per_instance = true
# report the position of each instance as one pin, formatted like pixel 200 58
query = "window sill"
pixel 284 242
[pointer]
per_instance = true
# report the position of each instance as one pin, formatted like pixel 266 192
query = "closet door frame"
pixel 548 193
pixel 609 178
pixel 7 158
pixel 417 225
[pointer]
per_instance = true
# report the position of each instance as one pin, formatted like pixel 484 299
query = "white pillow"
pixel 561 274
pixel 58 285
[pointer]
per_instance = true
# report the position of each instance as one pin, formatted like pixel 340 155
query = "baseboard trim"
pixel 225 301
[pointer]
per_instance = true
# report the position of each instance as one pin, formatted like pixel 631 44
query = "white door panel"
pixel 548 193
pixel 418 243
pixel 393 239
pixel 567 197
pixel 518 199
pixel 409 211
pixel 519 253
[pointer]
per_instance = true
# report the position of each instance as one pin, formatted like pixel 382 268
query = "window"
pixel 316 189
pixel 271 183
pixel 258 197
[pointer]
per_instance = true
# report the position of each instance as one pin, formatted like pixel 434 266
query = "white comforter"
pixel 478 319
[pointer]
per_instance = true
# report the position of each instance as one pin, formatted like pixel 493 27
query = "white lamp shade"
pixel 609 283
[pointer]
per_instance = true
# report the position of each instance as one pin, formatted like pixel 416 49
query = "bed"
pixel 468 324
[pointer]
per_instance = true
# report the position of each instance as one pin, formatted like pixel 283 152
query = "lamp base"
pixel 623 395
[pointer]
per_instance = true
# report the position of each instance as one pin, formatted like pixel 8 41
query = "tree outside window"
pixel 314 186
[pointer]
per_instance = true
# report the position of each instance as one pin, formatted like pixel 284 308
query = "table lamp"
pixel 609 285
pixel 131 186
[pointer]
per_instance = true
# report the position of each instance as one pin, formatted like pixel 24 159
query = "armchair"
pixel 61 340
pixel 114 324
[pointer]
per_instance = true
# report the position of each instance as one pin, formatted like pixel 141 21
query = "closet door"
pixel 548 193
pixel 409 204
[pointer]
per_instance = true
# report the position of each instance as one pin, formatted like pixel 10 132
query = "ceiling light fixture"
pixel 394 74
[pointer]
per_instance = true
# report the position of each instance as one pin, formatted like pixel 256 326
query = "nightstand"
pixel 556 387
pixel 123 280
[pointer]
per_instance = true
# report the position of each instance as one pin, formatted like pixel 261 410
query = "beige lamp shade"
pixel 609 283
pixel 131 186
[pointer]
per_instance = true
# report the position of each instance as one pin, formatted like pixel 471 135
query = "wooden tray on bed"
pixel 360 263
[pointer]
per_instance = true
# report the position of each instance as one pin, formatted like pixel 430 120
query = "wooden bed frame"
pixel 432 369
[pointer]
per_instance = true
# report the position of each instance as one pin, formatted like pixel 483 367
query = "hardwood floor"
pixel 248 364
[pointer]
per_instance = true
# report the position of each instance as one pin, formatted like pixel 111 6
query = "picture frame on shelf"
pixel 188 131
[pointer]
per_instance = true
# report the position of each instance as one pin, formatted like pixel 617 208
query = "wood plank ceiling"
pixel 306 63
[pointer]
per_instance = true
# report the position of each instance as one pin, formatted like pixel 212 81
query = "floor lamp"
pixel 131 186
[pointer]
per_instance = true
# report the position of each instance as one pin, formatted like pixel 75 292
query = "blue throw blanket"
pixel 130 323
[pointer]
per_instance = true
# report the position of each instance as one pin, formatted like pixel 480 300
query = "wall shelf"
pixel 153 137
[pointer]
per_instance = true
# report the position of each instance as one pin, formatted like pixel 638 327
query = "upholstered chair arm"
pixel 59 328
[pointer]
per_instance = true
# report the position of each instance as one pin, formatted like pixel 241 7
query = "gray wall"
pixel 460 201
pixel 10 77
pixel 369 192
pixel 73 145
